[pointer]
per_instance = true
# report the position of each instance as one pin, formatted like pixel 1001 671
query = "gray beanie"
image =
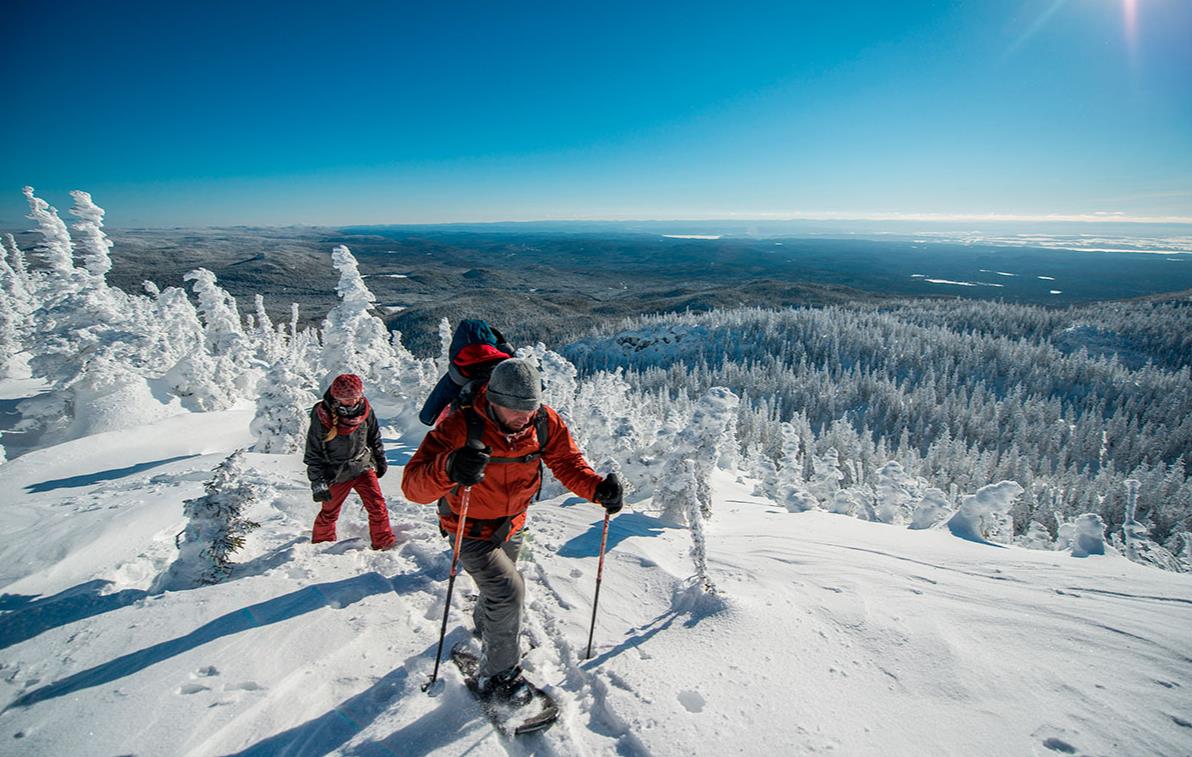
pixel 515 384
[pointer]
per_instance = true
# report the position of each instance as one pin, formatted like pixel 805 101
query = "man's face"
pixel 515 420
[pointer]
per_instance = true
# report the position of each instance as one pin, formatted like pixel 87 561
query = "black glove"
pixel 466 464
pixel 320 491
pixel 380 462
pixel 608 494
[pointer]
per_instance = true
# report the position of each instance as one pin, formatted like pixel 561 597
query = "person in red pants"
pixel 344 452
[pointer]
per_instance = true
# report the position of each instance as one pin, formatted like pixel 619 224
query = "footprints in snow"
pixel 203 680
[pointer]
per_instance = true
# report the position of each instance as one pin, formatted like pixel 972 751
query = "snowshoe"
pixel 514 705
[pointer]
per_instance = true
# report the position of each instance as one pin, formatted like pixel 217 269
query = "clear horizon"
pixel 1072 111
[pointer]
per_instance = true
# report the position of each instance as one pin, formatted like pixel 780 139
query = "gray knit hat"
pixel 515 384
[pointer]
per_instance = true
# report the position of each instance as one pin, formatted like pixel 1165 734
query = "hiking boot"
pixel 386 542
pixel 507 687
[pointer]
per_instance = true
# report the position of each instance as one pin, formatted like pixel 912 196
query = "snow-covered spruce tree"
pixel 792 487
pixel 13 324
pixel 215 528
pixel 93 242
pixel 985 516
pixel 1083 536
pixel 607 422
pixel 222 328
pixel 1136 543
pixel 445 334
pixel 79 321
pixel 282 410
pixel 17 304
pixel 826 476
pixel 897 494
pixel 558 378
pixel 16 259
pixel 57 249
pixel 355 340
pixel 1036 537
pixel 691 455
pixel 932 509
pixel 271 342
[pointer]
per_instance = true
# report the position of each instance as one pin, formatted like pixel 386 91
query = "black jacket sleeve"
pixel 375 445
pixel 315 457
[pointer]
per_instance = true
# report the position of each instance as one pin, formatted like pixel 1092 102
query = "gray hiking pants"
pixel 499 609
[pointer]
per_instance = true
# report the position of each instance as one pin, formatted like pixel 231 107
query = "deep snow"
pixel 830 634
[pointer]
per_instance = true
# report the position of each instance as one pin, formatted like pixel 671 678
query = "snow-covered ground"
pixel 829 634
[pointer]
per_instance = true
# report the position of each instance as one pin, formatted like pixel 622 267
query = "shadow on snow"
pixel 694 603
pixel 330 731
pixel 336 595
pixel 27 616
pixel 87 479
pixel 620 528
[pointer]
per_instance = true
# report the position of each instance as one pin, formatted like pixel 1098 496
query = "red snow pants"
pixel 369 489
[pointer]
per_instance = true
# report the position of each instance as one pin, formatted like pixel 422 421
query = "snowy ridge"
pixel 937 644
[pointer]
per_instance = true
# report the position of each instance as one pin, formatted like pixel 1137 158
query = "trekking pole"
pixel 599 576
pixel 459 537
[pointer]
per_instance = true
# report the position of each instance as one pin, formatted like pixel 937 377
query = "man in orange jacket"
pixel 518 434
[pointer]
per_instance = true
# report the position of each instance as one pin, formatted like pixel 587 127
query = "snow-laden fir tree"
pixel 691 456
pixel 355 340
pixel 445 334
pixel 1036 537
pixel 678 491
pixel 1135 541
pixel 559 384
pixel 897 494
pixel 607 423
pixel 271 342
pixel 94 243
pixel 1083 536
pixel 222 329
pixel 826 476
pixel 932 509
pixel 79 321
pixel 283 410
pixel 13 324
pixel 985 516
pixel 215 527
pixel 57 249
pixel 17 304
pixel 792 492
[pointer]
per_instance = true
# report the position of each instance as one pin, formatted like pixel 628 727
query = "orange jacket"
pixel 507 488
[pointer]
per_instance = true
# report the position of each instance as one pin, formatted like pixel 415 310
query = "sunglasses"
pixel 342 408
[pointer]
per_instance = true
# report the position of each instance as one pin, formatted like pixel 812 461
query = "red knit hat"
pixel 348 388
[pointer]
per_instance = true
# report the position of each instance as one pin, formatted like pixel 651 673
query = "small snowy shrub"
pixel 215 529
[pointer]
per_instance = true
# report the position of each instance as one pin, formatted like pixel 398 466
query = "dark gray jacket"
pixel 344 457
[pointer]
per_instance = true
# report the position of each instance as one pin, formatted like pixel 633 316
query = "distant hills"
pixel 553 281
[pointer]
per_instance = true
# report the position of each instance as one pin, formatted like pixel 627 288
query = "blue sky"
pixel 259 113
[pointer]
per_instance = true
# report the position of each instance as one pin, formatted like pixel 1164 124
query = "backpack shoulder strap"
pixel 542 427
